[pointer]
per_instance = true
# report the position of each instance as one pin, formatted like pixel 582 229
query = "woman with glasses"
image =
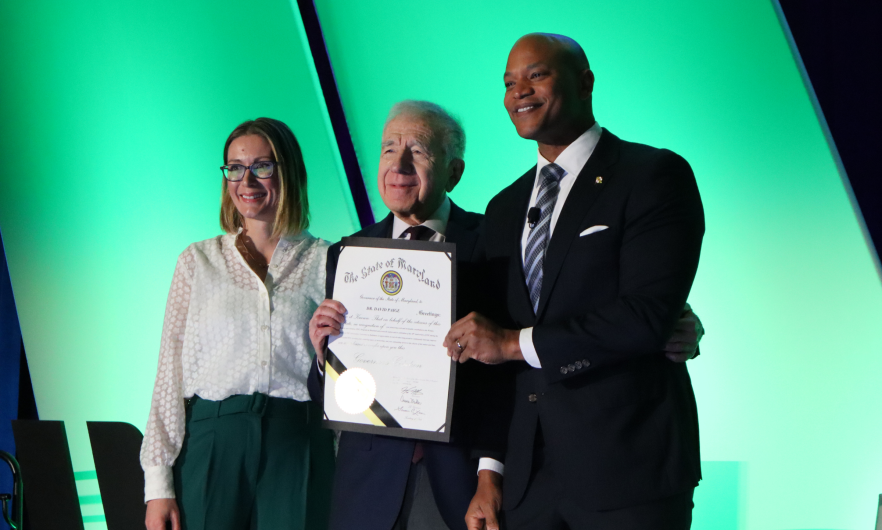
pixel 233 441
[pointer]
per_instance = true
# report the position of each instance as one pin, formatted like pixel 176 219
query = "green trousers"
pixel 254 463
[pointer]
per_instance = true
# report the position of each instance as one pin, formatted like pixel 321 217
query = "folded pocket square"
pixel 595 228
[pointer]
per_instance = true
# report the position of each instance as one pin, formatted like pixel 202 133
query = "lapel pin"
pixel 598 180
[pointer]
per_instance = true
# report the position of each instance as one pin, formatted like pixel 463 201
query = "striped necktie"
pixel 537 241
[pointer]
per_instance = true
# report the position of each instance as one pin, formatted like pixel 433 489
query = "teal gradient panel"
pixel 787 383
pixel 114 120
pixel 719 497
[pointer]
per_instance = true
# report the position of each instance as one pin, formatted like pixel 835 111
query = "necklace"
pixel 257 264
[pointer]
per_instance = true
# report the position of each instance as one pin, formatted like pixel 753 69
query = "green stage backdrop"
pixel 788 380
pixel 115 116
pixel 114 120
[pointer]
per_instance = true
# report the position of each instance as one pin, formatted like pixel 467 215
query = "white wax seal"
pixel 355 390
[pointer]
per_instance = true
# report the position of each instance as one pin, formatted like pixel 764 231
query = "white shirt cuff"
pixel 319 365
pixel 491 464
pixel 527 349
pixel 159 483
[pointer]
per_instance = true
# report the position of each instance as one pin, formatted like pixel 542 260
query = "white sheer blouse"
pixel 227 333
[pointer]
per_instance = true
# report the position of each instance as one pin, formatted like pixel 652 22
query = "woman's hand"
pixel 326 320
pixel 161 510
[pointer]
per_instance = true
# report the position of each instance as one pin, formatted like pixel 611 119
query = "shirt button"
pixel 263 363
pixel 263 327
pixel 532 398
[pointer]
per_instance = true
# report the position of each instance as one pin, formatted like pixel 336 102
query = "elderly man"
pixel 593 252
pixel 385 483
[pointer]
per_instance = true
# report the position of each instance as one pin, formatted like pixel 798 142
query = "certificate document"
pixel 387 371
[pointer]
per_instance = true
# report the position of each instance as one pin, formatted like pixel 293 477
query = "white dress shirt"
pixel 227 333
pixel 437 222
pixel 571 160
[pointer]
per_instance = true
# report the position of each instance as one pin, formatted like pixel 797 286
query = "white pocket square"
pixel 593 229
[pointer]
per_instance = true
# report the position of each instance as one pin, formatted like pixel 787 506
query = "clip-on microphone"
pixel 533 216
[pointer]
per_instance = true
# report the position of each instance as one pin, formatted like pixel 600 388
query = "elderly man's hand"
pixel 476 337
pixel 486 503
pixel 327 320
pixel 687 334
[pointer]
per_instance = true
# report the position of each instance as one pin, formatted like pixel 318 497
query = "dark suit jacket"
pixel 618 420
pixel 372 470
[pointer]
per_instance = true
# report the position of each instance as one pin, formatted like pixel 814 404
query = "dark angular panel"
pixel 50 491
pixel 841 47
pixel 116 447
pixel 325 72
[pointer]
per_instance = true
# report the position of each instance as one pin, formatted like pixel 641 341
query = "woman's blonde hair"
pixel 292 216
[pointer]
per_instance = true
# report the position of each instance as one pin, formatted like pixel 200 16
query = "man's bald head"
pixel 548 89
pixel 566 50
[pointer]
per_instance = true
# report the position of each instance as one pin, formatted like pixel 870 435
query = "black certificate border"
pixel 400 432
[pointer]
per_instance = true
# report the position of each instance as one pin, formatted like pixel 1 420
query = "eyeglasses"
pixel 262 169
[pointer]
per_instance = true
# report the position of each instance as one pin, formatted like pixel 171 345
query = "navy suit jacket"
pixel 372 470
pixel 618 420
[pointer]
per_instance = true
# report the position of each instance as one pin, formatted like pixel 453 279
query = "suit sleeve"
pixel 484 392
pixel 492 396
pixel 658 258
pixel 315 381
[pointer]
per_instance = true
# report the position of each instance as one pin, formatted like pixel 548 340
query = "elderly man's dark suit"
pixel 618 421
pixel 372 470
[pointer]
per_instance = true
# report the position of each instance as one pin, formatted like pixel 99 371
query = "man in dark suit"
pixel 383 482
pixel 592 254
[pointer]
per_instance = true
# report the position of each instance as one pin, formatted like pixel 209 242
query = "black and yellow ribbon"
pixel 376 414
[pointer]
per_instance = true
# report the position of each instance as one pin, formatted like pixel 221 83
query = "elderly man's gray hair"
pixel 446 126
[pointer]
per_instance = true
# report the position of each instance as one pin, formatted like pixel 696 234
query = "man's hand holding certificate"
pixel 387 371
